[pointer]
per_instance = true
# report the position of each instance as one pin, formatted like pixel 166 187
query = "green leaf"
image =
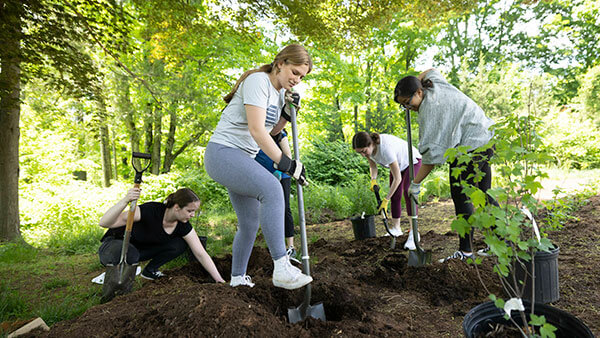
pixel 461 226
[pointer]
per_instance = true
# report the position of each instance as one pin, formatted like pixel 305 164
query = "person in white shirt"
pixel 390 152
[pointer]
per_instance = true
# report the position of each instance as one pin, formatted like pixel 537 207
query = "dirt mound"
pixel 367 289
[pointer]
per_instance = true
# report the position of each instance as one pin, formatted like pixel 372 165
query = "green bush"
pixel 333 163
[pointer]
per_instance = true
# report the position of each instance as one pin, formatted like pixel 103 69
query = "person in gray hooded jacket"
pixel 448 119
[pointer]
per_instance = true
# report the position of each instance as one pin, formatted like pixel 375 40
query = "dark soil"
pixel 367 289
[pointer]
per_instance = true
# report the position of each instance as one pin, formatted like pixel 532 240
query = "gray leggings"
pixel 257 198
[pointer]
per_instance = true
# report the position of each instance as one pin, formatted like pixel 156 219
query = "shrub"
pixel 333 163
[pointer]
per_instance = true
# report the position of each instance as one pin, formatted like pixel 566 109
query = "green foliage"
pixel 17 252
pixel 56 283
pixel 325 203
pixel 572 138
pixel 333 163
pixel 213 196
pixel 589 93
pixel 12 305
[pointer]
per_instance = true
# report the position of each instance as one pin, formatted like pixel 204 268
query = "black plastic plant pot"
pixel 546 277
pixel 484 317
pixel 363 227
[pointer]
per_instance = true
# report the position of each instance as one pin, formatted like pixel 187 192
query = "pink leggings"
pixel 396 200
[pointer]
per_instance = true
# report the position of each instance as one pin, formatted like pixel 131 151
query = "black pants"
pixel 286 183
pixel 159 254
pixel 462 206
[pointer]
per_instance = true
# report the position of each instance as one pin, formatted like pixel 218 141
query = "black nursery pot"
pixel 478 320
pixel 546 277
pixel 363 227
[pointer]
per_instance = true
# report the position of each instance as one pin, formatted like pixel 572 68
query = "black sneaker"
pixel 152 275
pixel 291 253
pixel 456 255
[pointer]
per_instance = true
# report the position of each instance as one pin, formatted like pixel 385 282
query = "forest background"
pixel 84 83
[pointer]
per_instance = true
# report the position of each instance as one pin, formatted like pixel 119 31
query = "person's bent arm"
pixel 372 169
pixel 279 126
pixel 202 256
pixel 115 217
pixel 256 125
pixel 285 147
pixel 395 171
pixel 422 75
pixel 423 172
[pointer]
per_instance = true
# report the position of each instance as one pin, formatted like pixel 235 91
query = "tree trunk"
pixel 148 118
pixel 105 150
pixel 169 158
pixel 125 108
pixel 156 140
pixel 355 118
pixel 368 97
pixel 114 155
pixel 10 111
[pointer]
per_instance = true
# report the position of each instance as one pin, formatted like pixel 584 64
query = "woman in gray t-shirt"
pixel 257 108
pixel 448 119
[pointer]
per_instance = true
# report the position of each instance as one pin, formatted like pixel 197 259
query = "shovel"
pixel 384 214
pixel 119 278
pixel 305 309
pixel 417 257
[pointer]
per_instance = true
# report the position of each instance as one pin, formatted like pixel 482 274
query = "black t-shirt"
pixel 149 229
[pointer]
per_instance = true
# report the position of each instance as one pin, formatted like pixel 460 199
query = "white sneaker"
pixel 241 280
pixel 396 231
pixel 287 276
pixel 410 242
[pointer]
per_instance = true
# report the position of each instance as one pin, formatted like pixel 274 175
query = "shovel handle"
pixel 128 227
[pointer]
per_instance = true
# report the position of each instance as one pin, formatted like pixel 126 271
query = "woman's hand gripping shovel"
pixel 385 218
pixel 305 309
pixel 417 257
pixel 119 278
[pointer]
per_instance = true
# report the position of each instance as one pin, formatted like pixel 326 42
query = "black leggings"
pixel 110 252
pixel 286 183
pixel 462 206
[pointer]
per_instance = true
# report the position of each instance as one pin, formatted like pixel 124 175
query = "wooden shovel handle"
pixel 131 214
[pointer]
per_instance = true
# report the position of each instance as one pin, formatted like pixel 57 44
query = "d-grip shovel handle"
pixel 140 171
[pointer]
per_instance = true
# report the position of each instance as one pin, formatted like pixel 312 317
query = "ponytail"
pixel 293 54
pixel 181 197
pixel 264 68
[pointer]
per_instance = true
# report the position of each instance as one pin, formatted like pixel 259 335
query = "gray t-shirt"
pixel 232 129
pixel 393 149
pixel 448 119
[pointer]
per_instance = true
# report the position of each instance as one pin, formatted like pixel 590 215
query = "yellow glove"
pixel 383 205
pixel 373 184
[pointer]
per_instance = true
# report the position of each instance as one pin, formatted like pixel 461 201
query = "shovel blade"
pixel 419 257
pixel 118 281
pixel 303 311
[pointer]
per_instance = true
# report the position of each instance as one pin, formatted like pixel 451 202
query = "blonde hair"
pixel 293 54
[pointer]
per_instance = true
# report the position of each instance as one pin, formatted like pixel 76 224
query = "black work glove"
pixel 293 168
pixel 291 98
pixel 277 138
